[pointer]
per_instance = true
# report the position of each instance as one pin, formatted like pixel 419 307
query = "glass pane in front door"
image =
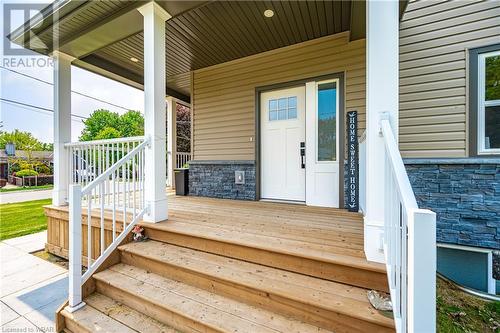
pixel 327 122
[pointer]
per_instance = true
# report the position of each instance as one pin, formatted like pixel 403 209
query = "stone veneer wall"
pixel 216 179
pixel 464 193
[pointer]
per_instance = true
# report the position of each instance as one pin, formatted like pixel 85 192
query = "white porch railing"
pixel 409 246
pixel 88 159
pixel 108 182
pixel 181 159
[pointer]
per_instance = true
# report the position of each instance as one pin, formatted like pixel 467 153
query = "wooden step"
pixel 323 261
pixel 126 315
pixel 102 314
pixel 89 319
pixel 327 304
pixel 188 308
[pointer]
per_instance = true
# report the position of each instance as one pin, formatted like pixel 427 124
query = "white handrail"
pixel 117 190
pixel 104 141
pixel 401 177
pixel 409 246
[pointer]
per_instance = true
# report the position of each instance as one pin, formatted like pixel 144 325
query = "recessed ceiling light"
pixel 268 13
pixel 134 59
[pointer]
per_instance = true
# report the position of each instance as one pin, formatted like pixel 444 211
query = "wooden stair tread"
pixel 217 312
pixel 306 221
pixel 278 216
pixel 210 230
pixel 89 319
pixel 126 315
pixel 342 240
pixel 272 244
pixel 328 295
pixel 264 207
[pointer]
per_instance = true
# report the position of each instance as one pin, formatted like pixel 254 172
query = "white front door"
pixel 322 143
pixel 283 131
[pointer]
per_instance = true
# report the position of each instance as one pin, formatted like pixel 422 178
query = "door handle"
pixel 303 155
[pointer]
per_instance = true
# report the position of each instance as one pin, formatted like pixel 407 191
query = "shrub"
pixel 26 173
pixel 42 169
pixel 13 166
pixel 17 164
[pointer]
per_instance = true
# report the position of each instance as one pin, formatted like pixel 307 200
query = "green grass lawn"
pixel 458 312
pixel 23 218
pixel 27 188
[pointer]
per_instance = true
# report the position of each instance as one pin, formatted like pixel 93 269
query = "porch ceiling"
pixel 105 35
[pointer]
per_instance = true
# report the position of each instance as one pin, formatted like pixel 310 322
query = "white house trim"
pixel 382 79
pixel 62 125
pixel 171 138
pixel 482 104
pixel 155 110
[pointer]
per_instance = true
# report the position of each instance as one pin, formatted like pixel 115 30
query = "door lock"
pixel 303 155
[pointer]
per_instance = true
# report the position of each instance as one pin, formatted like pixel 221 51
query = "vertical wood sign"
pixel 352 162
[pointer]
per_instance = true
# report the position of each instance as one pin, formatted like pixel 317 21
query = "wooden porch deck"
pixel 327 234
pixel 237 266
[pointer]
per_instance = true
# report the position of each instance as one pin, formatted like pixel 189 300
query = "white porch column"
pixel 171 138
pixel 62 125
pixel 154 110
pixel 382 80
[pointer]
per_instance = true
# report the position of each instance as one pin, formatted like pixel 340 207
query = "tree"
pixel 131 124
pixel 104 124
pixel 183 128
pixel 492 78
pixel 23 141
pixel 108 133
pixel 98 121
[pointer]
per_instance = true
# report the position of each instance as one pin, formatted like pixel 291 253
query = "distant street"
pixel 20 196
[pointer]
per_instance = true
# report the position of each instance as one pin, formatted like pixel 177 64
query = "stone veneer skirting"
pixel 216 179
pixel 464 193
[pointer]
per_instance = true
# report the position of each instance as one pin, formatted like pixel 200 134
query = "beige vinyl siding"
pixel 224 94
pixel 434 38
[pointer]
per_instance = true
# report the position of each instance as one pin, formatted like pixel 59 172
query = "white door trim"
pixel 310 96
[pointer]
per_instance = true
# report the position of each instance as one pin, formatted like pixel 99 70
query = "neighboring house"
pixel 270 86
pixel 38 156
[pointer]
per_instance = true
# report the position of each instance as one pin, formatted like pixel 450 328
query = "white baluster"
pixel 75 249
pixel 101 199
pixel 89 229
pixel 114 205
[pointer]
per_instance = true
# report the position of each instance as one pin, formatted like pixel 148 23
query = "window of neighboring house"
pixel 485 100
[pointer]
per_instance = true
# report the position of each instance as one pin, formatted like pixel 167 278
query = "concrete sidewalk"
pixel 31 288
pixel 21 196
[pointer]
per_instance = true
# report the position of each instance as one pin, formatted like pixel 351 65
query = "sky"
pixel 16 86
